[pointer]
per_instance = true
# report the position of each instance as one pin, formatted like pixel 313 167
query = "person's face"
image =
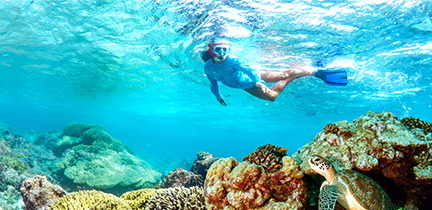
pixel 221 51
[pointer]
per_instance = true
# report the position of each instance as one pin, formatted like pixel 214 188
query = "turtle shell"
pixel 364 190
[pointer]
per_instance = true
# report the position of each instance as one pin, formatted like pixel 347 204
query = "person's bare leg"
pixel 267 93
pixel 292 72
pixel 282 79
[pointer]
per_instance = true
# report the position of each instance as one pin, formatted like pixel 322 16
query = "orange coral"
pixel 233 185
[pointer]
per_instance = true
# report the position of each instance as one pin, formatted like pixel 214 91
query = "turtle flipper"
pixel 327 197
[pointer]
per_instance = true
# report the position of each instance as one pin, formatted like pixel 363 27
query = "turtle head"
pixel 322 166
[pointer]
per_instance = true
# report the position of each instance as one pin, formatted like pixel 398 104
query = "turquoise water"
pixel 135 68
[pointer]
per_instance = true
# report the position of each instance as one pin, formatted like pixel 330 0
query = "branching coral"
pixel 90 200
pixel 137 199
pixel 177 198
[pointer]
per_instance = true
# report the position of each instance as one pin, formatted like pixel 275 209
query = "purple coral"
pixel 39 194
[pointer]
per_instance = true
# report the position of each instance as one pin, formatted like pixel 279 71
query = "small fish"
pixel 26 160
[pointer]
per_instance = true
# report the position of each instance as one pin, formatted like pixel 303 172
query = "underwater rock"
pixel 379 146
pixel 181 178
pixel 203 163
pixel 177 198
pixel 39 194
pixel 75 129
pixel 233 185
pixel 6 130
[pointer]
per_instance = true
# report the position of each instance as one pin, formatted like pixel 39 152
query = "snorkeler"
pixel 219 66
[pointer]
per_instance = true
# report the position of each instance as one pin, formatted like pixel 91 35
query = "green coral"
pixel 100 140
pixel 75 129
pixel 90 200
pixel 17 164
pixel 137 199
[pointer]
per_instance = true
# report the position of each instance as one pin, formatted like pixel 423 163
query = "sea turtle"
pixel 353 190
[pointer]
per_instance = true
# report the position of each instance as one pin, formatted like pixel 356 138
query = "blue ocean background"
pixel 135 68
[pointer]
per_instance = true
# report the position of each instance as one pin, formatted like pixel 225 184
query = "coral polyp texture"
pixel 39 193
pixel 91 200
pixel 233 185
pixel 177 198
pixel 378 145
pixel 412 122
pixel 137 199
pixel 268 156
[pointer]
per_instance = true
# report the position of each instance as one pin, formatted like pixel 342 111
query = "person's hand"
pixel 221 101
pixel 263 87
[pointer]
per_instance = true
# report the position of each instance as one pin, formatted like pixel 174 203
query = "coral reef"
pixel 76 129
pixel 39 193
pixel 10 183
pixel 137 199
pixel 100 161
pixel 268 156
pixel 13 162
pixel 177 198
pixel 203 163
pixel 233 185
pixel 90 200
pixel 181 178
pixel 412 122
pixel 106 169
pixel 380 146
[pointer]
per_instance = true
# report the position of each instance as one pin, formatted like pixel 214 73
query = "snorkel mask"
pixel 218 49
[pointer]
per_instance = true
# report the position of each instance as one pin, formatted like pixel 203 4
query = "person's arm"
pixel 215 90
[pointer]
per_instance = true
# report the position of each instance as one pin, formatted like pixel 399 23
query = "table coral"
pixel 39 194
pixel 91 200
pixel 233 185
pixel 177 198
pixel 378 145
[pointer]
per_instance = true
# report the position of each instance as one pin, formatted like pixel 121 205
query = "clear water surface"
pixel 135 68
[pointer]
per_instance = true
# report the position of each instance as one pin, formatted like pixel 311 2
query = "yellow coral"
pixel 90 200
pixel 138 198
pixel 177 198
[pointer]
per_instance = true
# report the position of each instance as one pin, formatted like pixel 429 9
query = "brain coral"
pixel 90 200
pixel 177 198
pixel 137 199
pixel 380 146
pixel 233 185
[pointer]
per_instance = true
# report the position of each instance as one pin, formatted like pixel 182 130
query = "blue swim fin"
pixel 333 76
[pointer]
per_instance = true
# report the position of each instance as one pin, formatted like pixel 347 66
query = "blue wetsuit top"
pixel 232 73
